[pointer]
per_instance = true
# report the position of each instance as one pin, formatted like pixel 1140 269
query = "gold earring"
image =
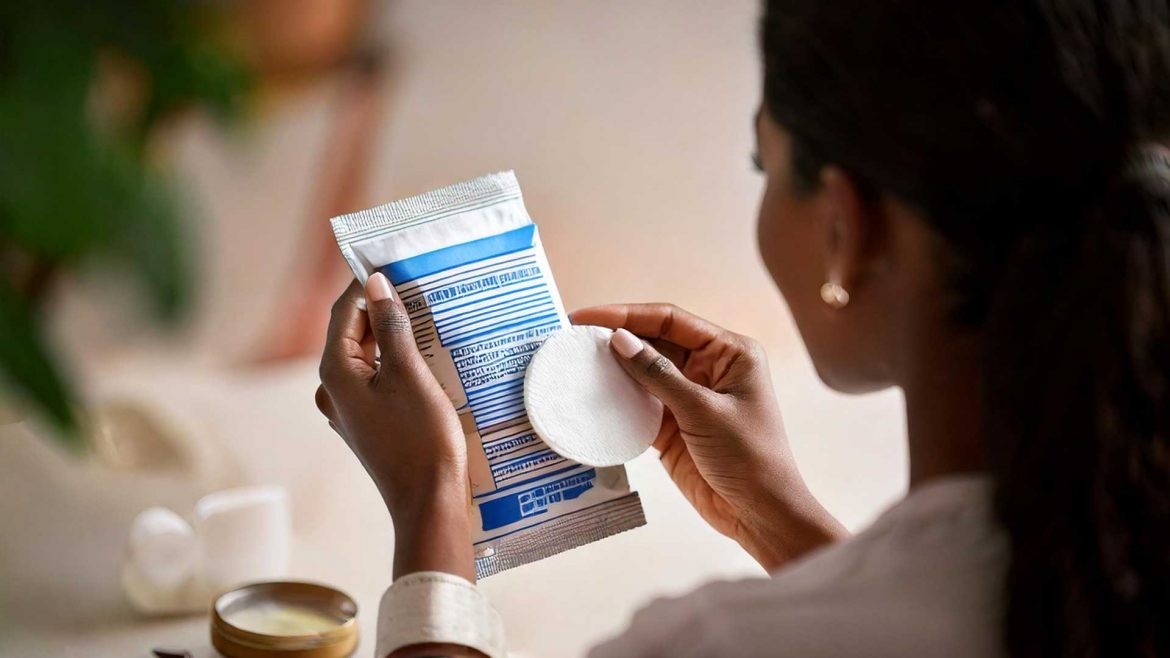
pixel 834 295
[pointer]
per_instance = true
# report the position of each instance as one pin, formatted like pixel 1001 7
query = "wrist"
pixel 424 489
pixel 432 530
pixel 413 509
pixel 786 523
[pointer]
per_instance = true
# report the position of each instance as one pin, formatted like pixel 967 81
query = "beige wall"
pixel 629 125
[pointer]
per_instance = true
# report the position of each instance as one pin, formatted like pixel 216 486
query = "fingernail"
pixel 378 287
pixel 626 344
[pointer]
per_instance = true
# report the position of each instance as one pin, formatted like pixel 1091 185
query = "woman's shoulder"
pixel 924 579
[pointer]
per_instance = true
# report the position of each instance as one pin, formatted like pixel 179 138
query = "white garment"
pixel 924 580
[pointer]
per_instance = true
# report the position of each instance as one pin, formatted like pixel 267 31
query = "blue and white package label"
pixel 469 266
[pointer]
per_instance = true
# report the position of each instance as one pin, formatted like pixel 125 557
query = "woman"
pixel 967 201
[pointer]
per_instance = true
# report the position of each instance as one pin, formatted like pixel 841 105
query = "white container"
pixel 244 536
pixel 163 548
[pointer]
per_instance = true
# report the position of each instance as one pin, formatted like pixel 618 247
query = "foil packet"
pixel 468 264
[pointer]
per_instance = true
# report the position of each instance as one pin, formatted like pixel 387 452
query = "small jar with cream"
pixel 284 619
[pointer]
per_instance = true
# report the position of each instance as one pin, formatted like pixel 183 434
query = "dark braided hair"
pixel 1011 126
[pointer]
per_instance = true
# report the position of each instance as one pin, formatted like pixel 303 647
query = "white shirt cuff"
pixel 428 607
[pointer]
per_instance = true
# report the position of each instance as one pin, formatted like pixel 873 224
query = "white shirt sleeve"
pixel 926 579
pixel 666 627
pixel 431 607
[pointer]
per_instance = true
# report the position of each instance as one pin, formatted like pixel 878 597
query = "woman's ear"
pixel 848 225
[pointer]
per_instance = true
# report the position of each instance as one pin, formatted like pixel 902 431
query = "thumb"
pixel 659 376
pixel 391 326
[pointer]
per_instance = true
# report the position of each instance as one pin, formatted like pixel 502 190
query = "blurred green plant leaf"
pixel 30 370
pixel 72 192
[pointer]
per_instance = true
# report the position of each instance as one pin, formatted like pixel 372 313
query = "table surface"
pixel 64 520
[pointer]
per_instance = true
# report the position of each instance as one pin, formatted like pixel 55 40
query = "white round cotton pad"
pixel 583 404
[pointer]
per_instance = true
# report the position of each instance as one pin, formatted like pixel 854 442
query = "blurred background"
pixel 167 171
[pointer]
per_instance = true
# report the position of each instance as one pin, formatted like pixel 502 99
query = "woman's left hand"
pixel 401 426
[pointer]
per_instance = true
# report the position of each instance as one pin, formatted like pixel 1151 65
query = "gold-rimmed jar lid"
pixel 284 619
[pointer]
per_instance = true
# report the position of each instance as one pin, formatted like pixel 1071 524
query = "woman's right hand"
pixel 722 440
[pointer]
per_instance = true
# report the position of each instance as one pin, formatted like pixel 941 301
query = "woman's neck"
pixel 943 391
